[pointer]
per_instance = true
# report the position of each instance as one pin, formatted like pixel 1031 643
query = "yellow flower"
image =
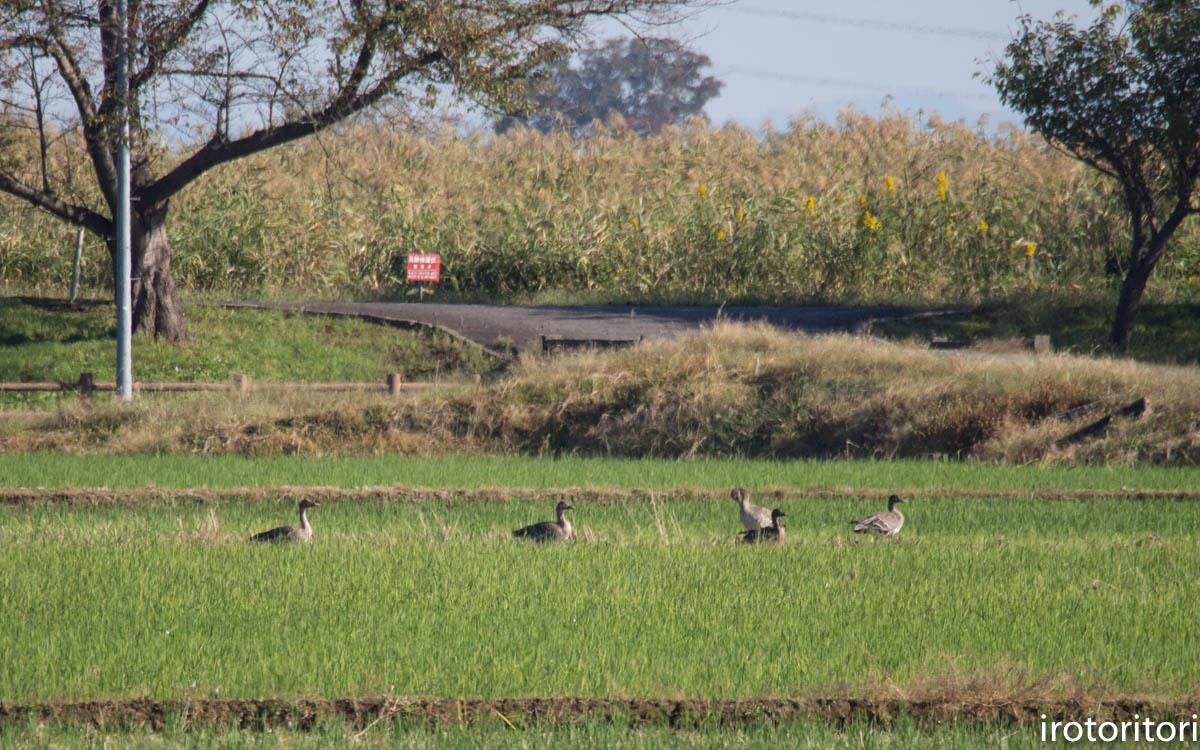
pixel 943 184
pixel 634 222
pixel 1030 248
pixel 891 184
pixel 810 203
pixel 983 226
pixel 741 214
pixel 1193 279
pixel 870 222
pixel 702 191
pixel 720 234
pixel 862 199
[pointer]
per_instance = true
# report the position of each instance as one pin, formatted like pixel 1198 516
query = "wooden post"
pixel 393 382
pixel 478 379
pixel 241 383
pixel 1041 343
pixel 87 384
pixel 75 268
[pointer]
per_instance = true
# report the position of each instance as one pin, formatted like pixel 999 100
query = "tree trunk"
pixel 1127 305
pixel 157 310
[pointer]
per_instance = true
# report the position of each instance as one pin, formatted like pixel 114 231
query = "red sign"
pixel 424 267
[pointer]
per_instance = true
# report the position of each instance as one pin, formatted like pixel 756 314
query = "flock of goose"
pixel 761 525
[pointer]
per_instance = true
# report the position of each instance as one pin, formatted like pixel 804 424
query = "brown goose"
pixel 754 517
pixel 772 533
pixel 885 523
pixel 549 531
pixel 300 534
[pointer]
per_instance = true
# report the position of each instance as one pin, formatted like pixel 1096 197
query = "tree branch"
pixel 80 216
pixel 217 151
pixel 159 44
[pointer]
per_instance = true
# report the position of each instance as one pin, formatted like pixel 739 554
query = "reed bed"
pixel 884 207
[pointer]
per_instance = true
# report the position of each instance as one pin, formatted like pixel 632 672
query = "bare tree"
pixel 215 80
pixel 1122 96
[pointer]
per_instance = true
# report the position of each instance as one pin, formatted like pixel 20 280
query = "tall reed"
pixel 888 207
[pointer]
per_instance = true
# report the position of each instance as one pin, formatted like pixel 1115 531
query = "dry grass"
pixel 617 216
pixel 730 390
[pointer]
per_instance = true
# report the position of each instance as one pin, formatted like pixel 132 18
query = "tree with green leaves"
pixel 651 82
pixel 1123 96
pixel 212 81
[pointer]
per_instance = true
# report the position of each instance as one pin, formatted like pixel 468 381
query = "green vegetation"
pixel 867 209
pixel 522 472
pixel 168 600
pixel 1165 332
pixel 56 343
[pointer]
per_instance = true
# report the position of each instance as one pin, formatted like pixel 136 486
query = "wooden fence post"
pixel 241 383
pixel 87 384
pixel 393 382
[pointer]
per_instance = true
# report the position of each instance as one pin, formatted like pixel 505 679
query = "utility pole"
pixel 121 217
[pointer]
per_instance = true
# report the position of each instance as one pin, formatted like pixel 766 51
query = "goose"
pixel 754 517
pixel 549 531
pixel 884 523
pixel 300 534
pixel 772 533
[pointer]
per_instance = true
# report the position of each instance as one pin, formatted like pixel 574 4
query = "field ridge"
pixel 103 496
pixel 981 706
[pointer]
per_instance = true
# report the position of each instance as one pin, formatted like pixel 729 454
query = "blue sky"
pixel 779 58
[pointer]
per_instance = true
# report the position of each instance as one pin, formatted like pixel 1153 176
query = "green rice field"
pixel 1028 598
pixel 167 599
pixel 221 471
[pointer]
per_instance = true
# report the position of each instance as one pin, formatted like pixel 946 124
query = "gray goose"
pixel 772 533
pixel 754 517
pixel 549 531
pixel 298 534
pixel 885 523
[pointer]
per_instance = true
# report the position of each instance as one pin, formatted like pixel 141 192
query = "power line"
pixel 771 75
pixel 866 23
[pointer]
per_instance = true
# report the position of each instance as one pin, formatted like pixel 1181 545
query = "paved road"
pixel 499 327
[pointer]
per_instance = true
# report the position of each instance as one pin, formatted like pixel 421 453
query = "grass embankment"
pixel 1028 599
pixel 55 342
pixel 879 208
pixel 732 390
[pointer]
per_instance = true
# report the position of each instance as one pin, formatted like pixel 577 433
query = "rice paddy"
pixel 165 600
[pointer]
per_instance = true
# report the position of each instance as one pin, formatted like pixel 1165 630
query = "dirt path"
pixel 521 328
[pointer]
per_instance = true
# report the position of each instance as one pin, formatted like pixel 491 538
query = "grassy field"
pixel 167 600
pixel 223 472
pixel 56 343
